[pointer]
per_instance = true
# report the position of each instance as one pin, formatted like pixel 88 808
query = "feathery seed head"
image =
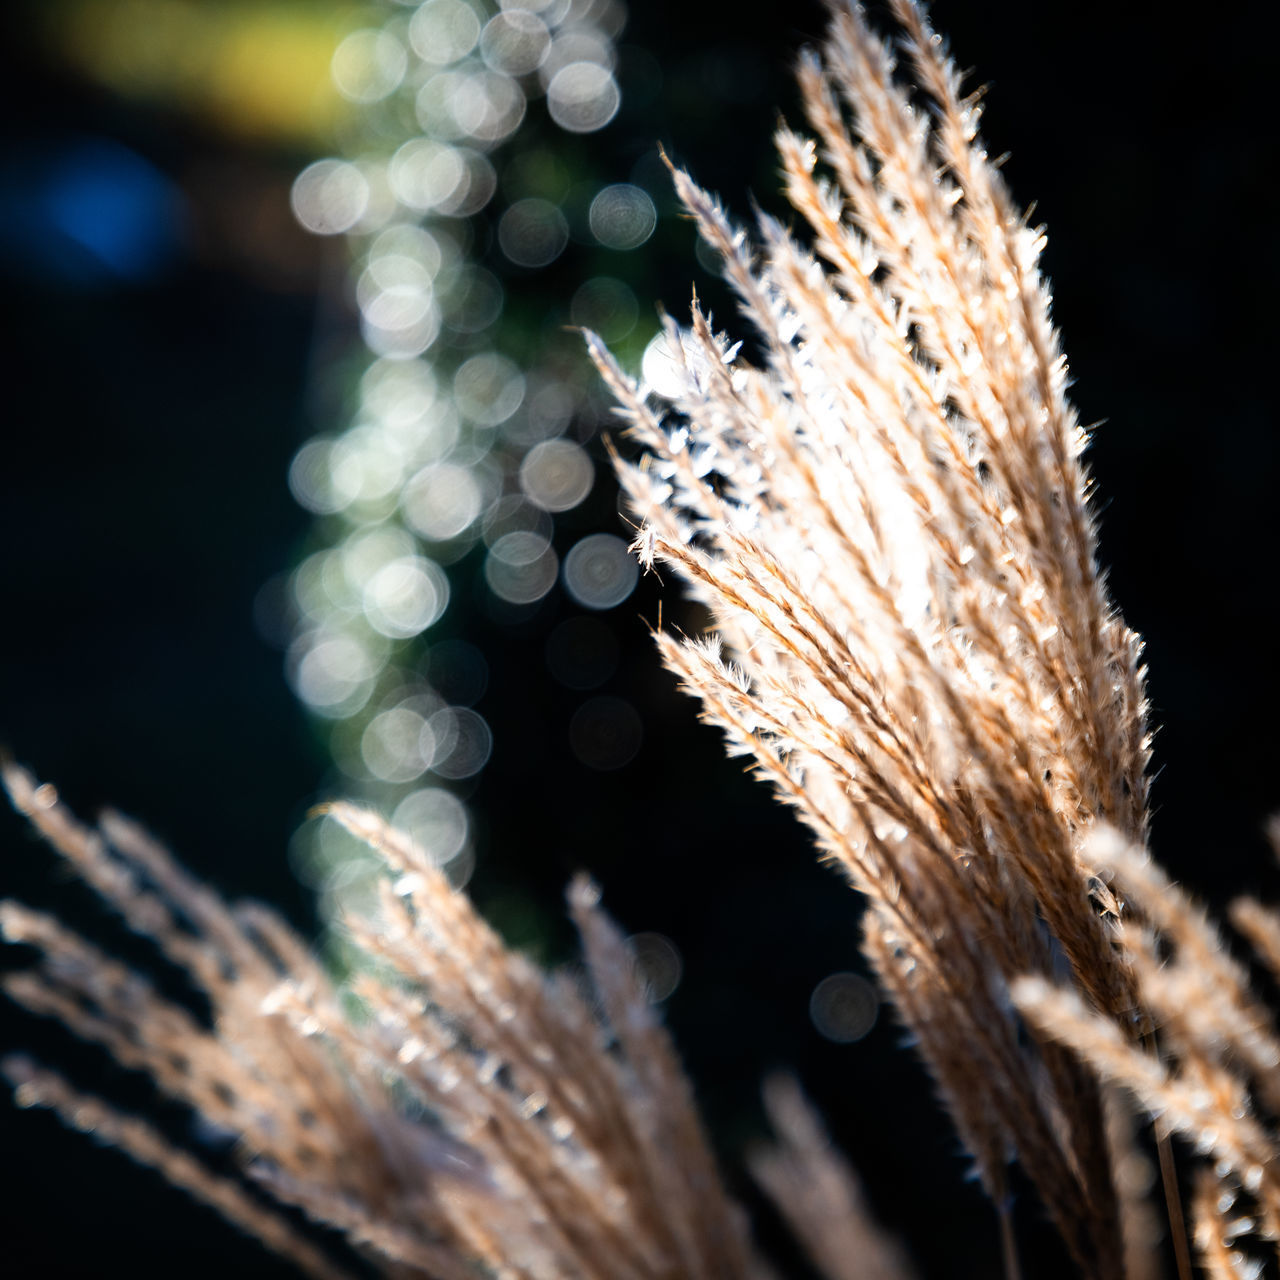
pixel 888 518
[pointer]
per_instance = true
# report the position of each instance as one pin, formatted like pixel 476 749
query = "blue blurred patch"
pixel 87 213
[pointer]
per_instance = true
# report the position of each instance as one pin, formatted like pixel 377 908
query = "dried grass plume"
pixel 888 518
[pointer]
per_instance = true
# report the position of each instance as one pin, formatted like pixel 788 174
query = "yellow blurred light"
pixel 258 70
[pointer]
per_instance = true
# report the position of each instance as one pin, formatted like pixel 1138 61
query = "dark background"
pixel 150 422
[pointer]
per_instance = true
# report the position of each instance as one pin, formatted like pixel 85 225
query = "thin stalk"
pixel 1173 1202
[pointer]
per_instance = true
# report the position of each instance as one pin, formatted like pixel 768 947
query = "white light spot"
pixel 583 97
pixel 462 742
pixel 333 674
pixel 368 65
pixel 310 585
pixel 399 393
pixel 406 597
pixel 396 298
pixel 425 174
pixel 391 745
pixel 622 216
pixel 364 466
pixel 442 501
pixel 437 820
pixel 309 478
pixel 482 105
pixel 403 325
pixel 365 552
pixel 330 197
pixel 578 42
pixel 662 369
pixel 548 410
pixel 442 31
pixel 515 42
pixel 557 474
pixel 521 567
pixel 476 187
pixel 406 240
pixel 488 388
pixel 599 572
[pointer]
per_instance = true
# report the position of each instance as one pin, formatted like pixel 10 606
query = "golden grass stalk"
pixel 888 518
pixel 474 1114
pixel 1216 1079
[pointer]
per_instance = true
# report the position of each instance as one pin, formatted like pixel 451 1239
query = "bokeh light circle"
pixel 533 232
pixel 583 97
pixel 436 820
pixel 367 550
pixel 365 466
pixel 557 474
pixel 332 673
pixel 548 410
pixel 443 31
pixel 425 174
pixel 442 501
pixel 488 388
pixel 309 478
pixel 405 597
pixel 843 1007
pixel 622 216
pixel 515 42
pixel 521 567
pixel 452 446
pixel 391 745
pixel 368 65
pixel 399 314
pixel 471 103
pixel 577 42
pixel 330 197
pixel 599 571
pixel 462 742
